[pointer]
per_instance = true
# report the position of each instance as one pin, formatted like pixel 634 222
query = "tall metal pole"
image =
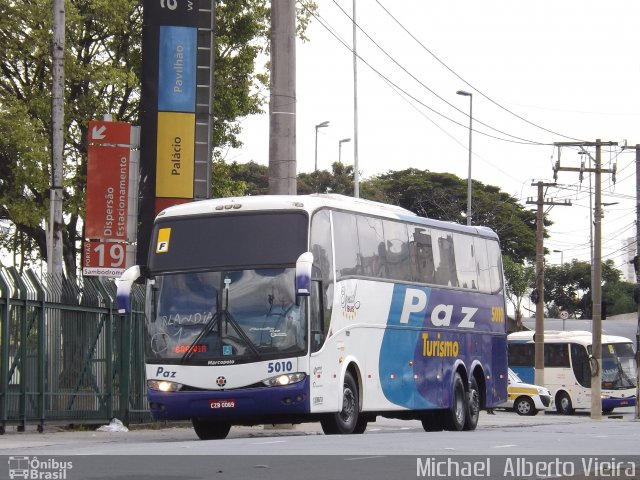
pixel 470 150
pixel 470 95
pixel 356 173
pixel 596 334
pixel 282 103
pixel 54 246
pixel 637 265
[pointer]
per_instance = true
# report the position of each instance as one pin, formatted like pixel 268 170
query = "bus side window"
pixel 372 250
pixel 318 326
pixel 347 250
pixel 421 249
pixel 397 250
pixel 445 260
pixel 321 301
pixel 556 355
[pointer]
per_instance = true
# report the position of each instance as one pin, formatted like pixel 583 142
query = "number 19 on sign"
pixel 104 258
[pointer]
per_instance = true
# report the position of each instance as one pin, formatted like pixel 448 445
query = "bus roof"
pixel 311 203
pixel 562 336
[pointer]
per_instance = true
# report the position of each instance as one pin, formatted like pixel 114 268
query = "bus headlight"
pixel 284 379
pixel 164 386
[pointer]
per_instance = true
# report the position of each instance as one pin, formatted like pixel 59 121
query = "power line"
pixel 384 77
pixel 422 84
pixel 467 83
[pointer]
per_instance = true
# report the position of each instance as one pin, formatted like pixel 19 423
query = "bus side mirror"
pixel 303 274
pixel 123 288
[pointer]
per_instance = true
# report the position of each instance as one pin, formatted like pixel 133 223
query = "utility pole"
pixel 596 294
pixel 54 244
pixel 636 263
pixel 282 103
pixel 539 297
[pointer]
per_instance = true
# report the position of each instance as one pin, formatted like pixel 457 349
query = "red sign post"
pixel 107 198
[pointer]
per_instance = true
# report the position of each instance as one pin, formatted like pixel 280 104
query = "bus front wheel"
pixel 209 430
pixel 459 408
pixel 563 404
pixel 345 421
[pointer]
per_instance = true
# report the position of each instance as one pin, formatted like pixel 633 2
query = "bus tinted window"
pixel 421 248
pixel 484 276
pixel 372 250
pixel 465 261
pixel 556 355
pixel 347 249
pixel 444 259
pixel 521 355
pixel 397 250
pixel 495 267
pixel 323 258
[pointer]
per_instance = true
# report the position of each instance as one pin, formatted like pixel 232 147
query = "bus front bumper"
pixel 236 405
pixel 609 403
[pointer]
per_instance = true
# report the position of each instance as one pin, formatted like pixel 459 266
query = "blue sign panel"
pixel 177 69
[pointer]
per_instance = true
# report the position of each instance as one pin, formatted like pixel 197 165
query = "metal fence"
pixel 65 353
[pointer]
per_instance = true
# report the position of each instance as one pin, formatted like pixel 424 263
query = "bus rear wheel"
pixel 210 430
pixel 457 417
pixel 346 420
pixel 473 406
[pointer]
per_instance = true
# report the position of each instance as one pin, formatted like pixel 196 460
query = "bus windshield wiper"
pixel 215 320
pixel 222 314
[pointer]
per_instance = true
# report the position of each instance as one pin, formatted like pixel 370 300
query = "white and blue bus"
pixel 567 368
pixel 290 309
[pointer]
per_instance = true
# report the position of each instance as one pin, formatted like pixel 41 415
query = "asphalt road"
pixel 389 449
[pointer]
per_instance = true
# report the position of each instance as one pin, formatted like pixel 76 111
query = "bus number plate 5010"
pixel 218 404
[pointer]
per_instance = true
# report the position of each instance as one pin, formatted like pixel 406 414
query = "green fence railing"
pixel 65 353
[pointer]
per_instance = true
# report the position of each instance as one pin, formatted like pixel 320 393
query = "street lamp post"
pixel 561 252
pixel 318 126
pixel 344 140
pixel 468 94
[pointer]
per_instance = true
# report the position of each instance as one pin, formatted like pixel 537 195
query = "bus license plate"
pixel 218 404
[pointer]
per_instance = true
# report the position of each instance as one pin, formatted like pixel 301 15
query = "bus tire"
pixel 457 414
pixel 433 421
pixel 473 406
pixel 210 430
pixel 361 425
pixel 345 421
pixel 563 404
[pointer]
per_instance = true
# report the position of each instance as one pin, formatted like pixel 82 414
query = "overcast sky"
pixel 569 69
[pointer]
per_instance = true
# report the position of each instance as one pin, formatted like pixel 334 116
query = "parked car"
pixel 524 398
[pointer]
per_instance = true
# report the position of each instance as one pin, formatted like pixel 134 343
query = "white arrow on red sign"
pixel 97 133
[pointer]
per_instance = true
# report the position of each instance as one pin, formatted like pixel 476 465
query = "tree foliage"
pixel 520 278
pixel 102 73
pixel 568 287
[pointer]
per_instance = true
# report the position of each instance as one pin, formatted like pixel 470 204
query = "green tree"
pixel 443 196
pixel 568 287
pixel 339 180
pixel 102 71
pixel 520 279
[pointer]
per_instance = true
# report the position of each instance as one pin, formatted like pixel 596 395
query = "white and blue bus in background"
pixel 567 368
pixel 290 309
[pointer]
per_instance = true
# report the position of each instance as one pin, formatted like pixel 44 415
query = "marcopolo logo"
pixel 38 469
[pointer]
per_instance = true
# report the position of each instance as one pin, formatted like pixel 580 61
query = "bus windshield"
pixel 225 317
pixel 618 366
